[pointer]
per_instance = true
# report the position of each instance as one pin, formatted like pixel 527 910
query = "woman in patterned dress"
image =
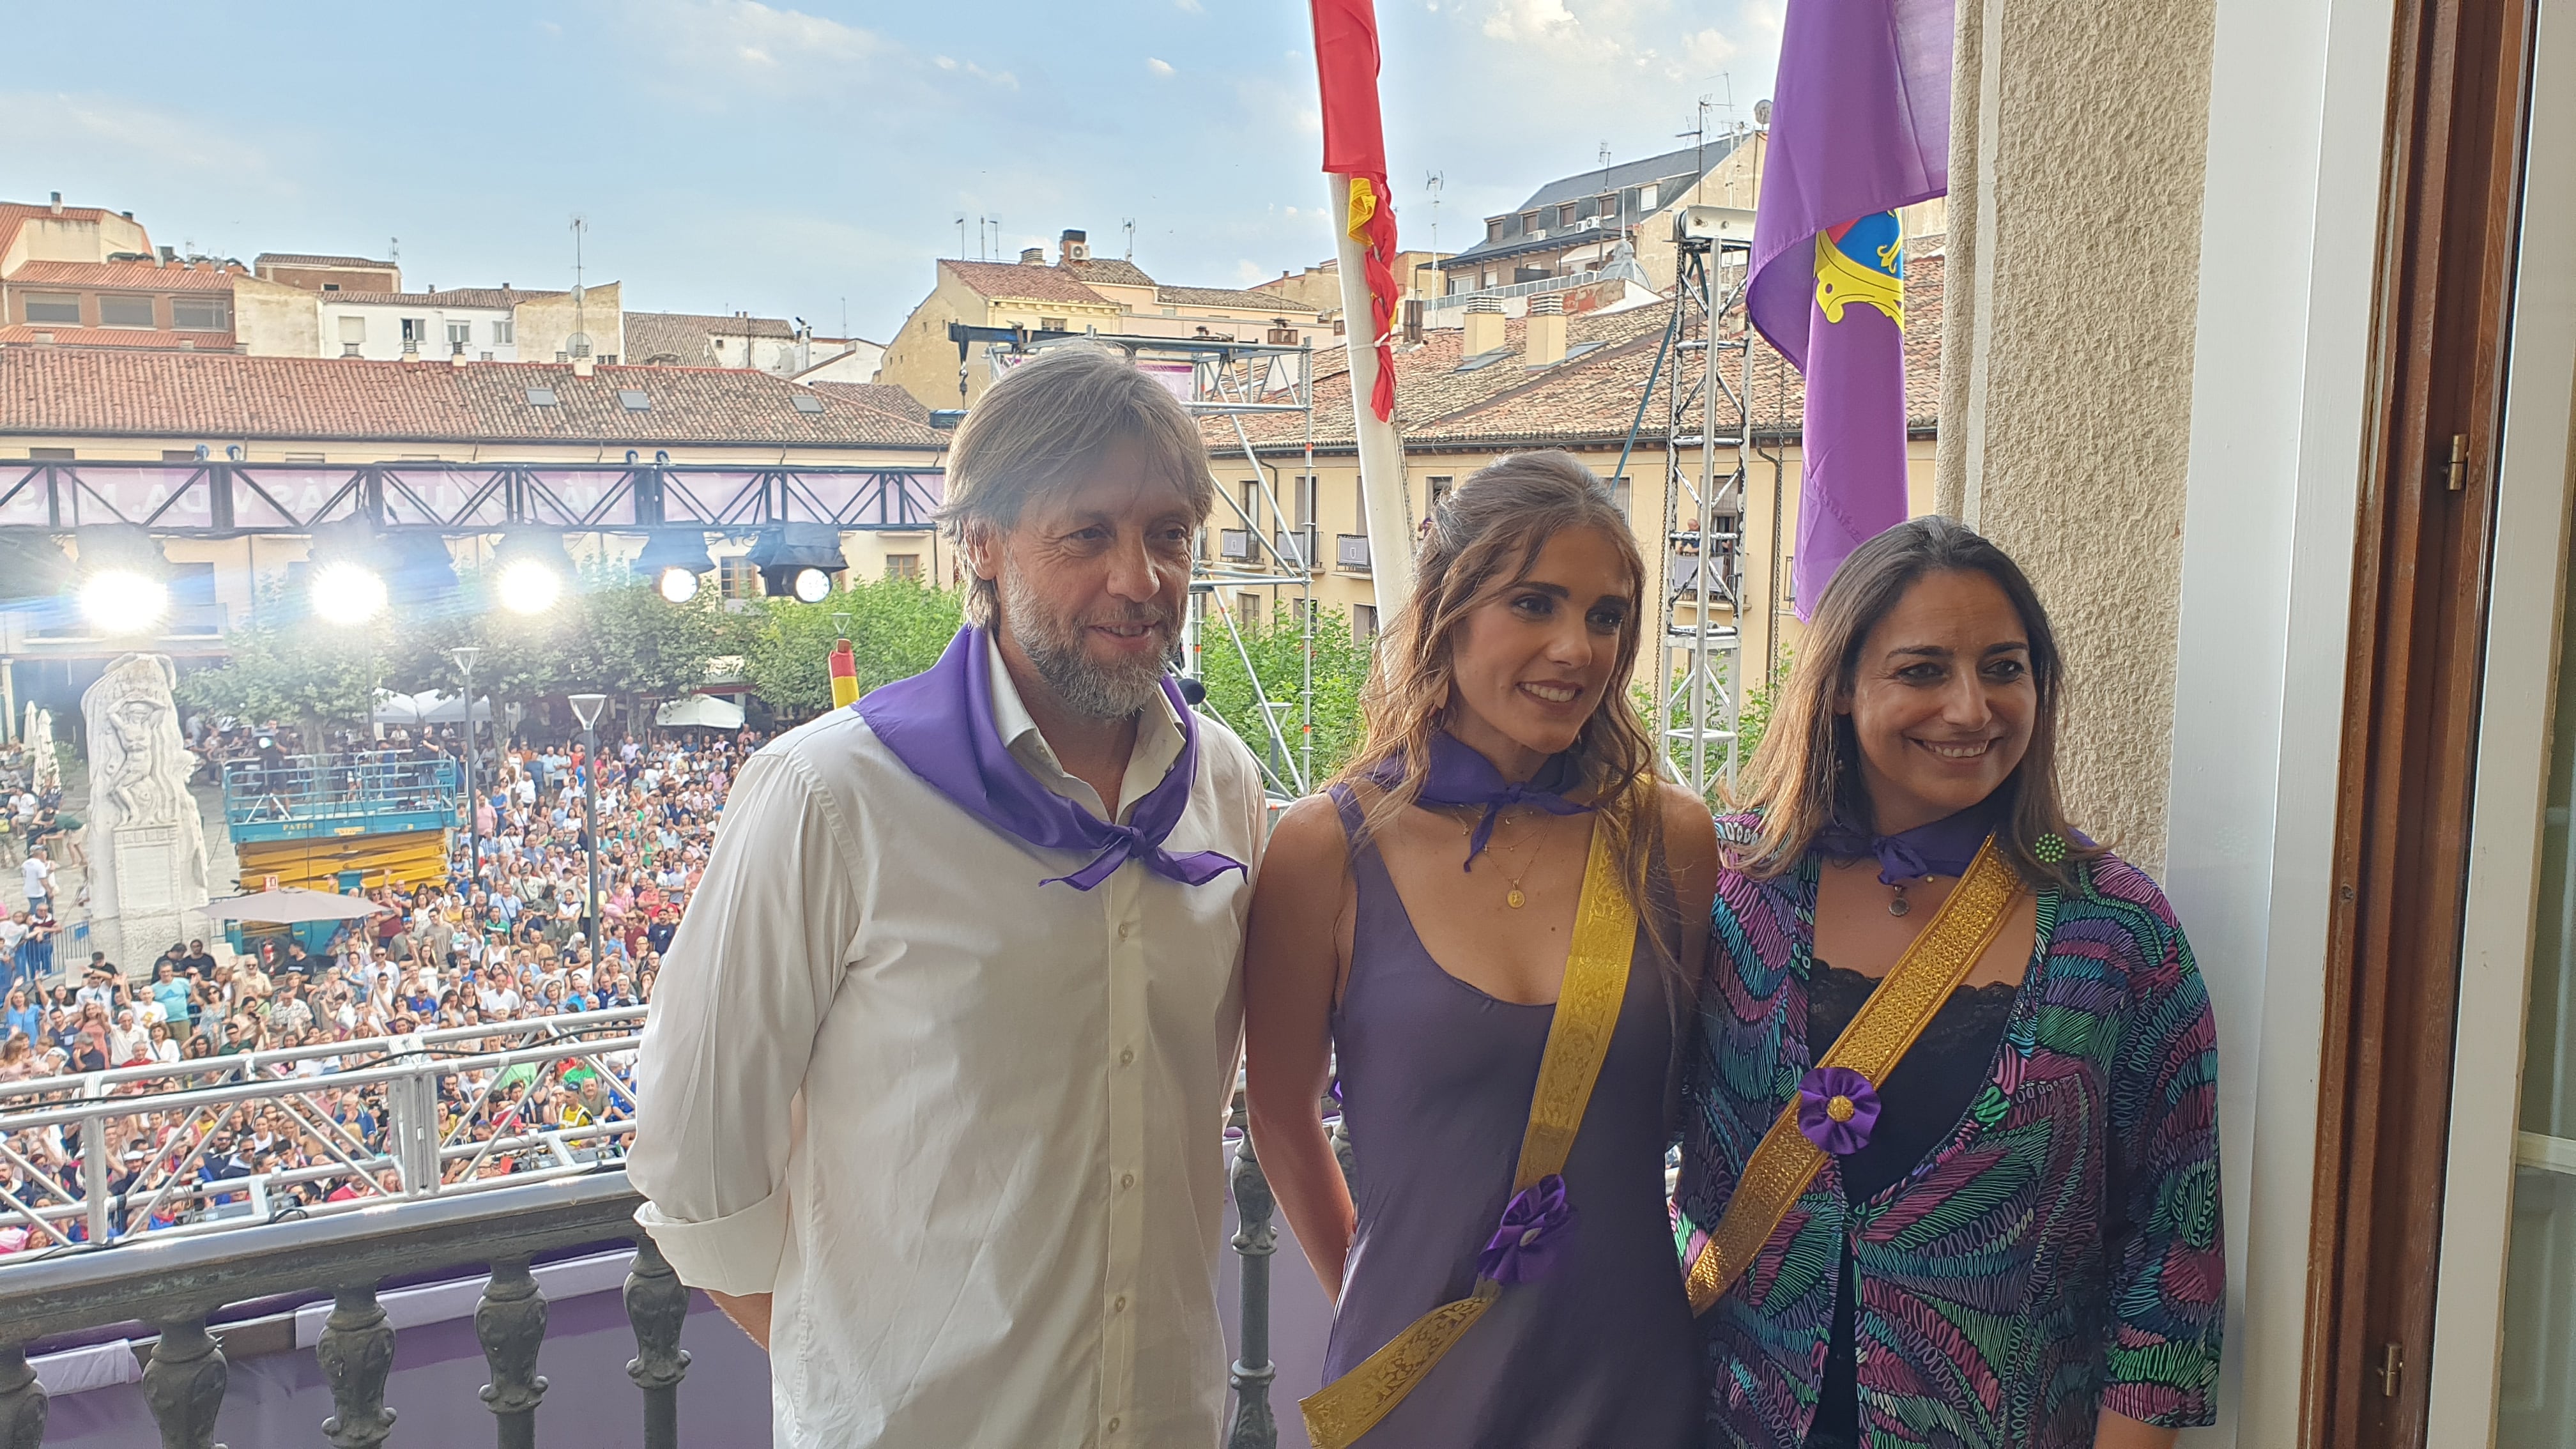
pixel 2024 1253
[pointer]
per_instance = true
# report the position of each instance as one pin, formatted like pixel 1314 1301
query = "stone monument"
pixel 147 851
pixel 45 765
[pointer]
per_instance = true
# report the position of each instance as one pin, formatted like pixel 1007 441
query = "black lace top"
pixel 1920 1106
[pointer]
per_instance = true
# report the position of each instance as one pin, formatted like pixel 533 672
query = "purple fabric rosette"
pixel 1837 1107
pixel 1537 1225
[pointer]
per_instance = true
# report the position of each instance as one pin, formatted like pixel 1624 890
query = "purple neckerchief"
pixel 1943 847
pixel 940 724
pixel 1459 775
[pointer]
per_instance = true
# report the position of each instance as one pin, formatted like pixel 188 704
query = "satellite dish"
pixel 578 344
pixel 1762 112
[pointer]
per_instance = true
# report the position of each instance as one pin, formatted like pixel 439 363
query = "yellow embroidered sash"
pixel 1587 1011
pixel 1879 1035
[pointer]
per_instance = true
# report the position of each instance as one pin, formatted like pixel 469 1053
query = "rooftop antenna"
pixel 1432 183
pixel 580 224
pixel 1130 224
pixel 393 250
pixel 961 236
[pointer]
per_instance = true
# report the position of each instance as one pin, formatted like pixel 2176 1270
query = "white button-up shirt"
pixel 964 1126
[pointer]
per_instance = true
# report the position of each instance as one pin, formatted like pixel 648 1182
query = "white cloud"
pixel 1158 67
pixel 1192 6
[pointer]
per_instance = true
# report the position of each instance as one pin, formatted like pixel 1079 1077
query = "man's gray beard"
pixel 1055 651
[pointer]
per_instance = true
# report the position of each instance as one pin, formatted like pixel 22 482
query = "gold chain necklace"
pixel 1512 897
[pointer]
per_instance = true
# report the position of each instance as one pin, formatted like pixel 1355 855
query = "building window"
pixel 415 331
pixel 1529 221
pixel 201 314
pixel 122 311
pixel 1051 324
pixel 904 566
pixel 1252 504
pixel 304 457
pixel 353 329
pixel 1623 494
pixel 53 307
pixel 1439 491
pixel 460 336
pixel 178 455
pixel 1494 229
pixel 1363 623
pixel 1247 609
pixel 737 577
pixel 330 286
pixel 1565 214
pixel 505 333
pixel 1306 501
pixel 1646 197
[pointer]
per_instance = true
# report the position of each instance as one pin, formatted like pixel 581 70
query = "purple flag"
pixel 1860 125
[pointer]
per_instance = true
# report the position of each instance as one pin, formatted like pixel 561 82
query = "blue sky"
pixel 794 159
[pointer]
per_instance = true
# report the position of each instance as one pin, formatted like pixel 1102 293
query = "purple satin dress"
pixel 1436 1081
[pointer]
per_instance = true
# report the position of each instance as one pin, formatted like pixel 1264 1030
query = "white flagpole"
pixel 1390 533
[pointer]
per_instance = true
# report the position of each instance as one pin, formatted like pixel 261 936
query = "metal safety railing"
pixel 339 787
pixel 90 1161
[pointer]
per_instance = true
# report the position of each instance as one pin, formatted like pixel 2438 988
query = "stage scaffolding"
pixel 1699 661
pixel 1222 378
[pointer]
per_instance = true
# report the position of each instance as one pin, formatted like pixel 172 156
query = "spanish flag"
pixel 1346 64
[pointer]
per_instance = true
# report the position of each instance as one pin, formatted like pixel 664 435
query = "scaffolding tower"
pixel 1699 660
pixel 1224 378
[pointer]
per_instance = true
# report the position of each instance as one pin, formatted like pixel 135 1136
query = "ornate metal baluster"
pixel 22 1400
pixel 357 1355
pixel 511 1323
pixel 184 1384
pixel 657 1303
pixel 1254 1241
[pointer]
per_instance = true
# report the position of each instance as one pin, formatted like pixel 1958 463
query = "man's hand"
pixel 749 1313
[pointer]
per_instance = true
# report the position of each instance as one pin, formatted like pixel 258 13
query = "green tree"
pixel 285 666
pixel 1278 652
pixel 897 628
pixel 612 633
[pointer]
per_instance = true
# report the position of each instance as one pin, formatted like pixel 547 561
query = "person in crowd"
pixel 37 873
pixel 1497 873
pixel 1035 856
pixel 2009 1229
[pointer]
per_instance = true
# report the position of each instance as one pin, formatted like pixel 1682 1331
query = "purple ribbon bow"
pixel 1537 1224
pixel 1837 1107
pixel 1458 775
pixel 940 724
pixel 1943 847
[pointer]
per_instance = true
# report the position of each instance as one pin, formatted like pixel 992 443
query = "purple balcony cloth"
pixel 940 724
pixel 1537 1228
pixel 1816 1092
pixel 1458 775
pixel 1860 126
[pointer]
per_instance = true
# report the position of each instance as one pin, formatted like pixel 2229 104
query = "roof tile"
pixel 131 276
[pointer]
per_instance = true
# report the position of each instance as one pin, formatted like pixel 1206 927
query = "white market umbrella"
pixel 700 711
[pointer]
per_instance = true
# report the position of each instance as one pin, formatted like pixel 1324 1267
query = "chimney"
pixel 1075 246
pixel 1546 340
pixel 58 203
pixel 1413 320
pixel 582 366
pixel 1484 326
pixel 456 358
pixel 1033 256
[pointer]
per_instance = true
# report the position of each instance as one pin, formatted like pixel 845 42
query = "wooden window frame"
pixel 2458 102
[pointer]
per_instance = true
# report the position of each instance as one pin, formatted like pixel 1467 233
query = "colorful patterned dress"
pixel 2059 1255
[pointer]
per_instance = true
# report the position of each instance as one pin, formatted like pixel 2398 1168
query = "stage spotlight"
pixel 673 560
pixel 813 585
pixel 798 559
pixel 678 585
pixel 529 586
pixel 348 593
pixel 124 601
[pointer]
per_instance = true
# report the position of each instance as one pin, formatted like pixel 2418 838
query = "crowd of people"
pixel 508 937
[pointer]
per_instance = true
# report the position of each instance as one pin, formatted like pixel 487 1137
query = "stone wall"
pixel 2078 142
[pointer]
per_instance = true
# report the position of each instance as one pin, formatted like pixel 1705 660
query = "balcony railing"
pixel 141 1254
pixel 1296 547
pixel 1235 544
pixel 1351 552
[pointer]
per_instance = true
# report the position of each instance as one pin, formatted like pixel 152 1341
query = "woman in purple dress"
pixel 1500 737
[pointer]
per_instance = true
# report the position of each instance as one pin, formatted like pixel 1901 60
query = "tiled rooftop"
pixel 42 334
pixel 1275 303
pixel 128 276
pixel 316 259
pixel 1020 282
pixel 501 298
pixel 69 391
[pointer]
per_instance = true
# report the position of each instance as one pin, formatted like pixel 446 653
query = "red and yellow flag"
pixel 845 676
pixel 1346 65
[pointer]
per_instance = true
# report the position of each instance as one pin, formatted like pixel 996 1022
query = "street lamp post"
pixel 586 708
pixel 464 656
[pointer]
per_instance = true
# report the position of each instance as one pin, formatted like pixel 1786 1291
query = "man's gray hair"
pixel 1046 424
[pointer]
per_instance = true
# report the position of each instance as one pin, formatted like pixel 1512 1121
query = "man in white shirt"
pixel 935 1073
pixel 39 875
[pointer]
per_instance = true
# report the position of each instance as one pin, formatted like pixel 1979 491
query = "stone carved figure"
pixel 148 844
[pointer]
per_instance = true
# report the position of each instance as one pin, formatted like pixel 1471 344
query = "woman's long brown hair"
pixel 1484 538
pixel 1808 766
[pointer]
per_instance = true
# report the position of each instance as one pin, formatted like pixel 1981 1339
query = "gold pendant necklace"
pixel 1513 897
